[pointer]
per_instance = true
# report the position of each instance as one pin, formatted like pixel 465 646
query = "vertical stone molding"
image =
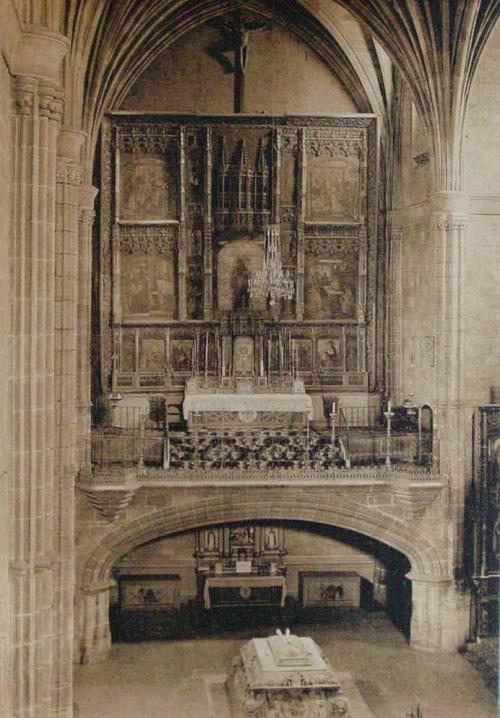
pixel 96 635
pixel 36 122
pixel 68 182
pixel 395 319
pixel 88 194
pixel 440 615
pixel 449 222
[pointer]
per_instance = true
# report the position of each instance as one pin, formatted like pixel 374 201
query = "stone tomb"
pixel 284 676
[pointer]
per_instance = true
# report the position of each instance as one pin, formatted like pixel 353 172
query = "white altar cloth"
pixel 299 403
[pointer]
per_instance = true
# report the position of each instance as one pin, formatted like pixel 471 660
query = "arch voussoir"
pixel 308 507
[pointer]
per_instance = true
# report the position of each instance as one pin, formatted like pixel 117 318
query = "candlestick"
pixel 206 354
pixel 218 353
pixel 269 358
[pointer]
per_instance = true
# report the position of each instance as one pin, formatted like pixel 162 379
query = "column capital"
pixel 429 579
pixel 88 193
pixel 37 96
pixel 69 144
pixel 40 53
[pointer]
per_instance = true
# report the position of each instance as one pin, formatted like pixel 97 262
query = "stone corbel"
pixel 415 497
pixel 108 498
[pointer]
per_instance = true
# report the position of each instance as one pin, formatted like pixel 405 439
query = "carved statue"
pixel 239 285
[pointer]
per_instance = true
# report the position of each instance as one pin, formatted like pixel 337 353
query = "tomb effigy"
pixel 284 676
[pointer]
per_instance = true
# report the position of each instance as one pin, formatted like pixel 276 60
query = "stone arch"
pixel 308 507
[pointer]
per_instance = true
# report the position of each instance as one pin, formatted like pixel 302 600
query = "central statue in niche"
pixel 239 285
pixel 237 260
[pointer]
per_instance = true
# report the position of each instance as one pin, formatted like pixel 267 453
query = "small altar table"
pixel 244 590
pixel 234 409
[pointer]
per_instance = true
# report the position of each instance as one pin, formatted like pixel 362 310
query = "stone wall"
pixel 482 259
pixel 306 550
pixel 283 76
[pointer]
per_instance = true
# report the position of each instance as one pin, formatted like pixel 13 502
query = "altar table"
pixel 245 409
pixel 244 590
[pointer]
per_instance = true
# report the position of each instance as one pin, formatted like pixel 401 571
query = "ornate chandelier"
pixel 271 282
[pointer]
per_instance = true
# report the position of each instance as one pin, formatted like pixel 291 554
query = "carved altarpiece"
pixel 184 204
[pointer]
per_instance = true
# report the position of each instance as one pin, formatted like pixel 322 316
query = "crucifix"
pixel 235 32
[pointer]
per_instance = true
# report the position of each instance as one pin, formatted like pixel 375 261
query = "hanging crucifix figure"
pixel 235 33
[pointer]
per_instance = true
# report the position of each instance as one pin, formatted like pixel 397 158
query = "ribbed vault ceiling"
pixel 435 44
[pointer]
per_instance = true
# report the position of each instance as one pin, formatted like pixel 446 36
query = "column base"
pixel 440 615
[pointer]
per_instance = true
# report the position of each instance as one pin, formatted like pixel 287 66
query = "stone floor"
pixel 182 678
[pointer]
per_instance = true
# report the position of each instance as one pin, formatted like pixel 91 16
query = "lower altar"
pixel 234 590
pixel 282 676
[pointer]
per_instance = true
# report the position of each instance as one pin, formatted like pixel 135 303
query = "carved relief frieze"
pixel 330 247
pixel 148 240
pixel 68 173
pixel 146 138
pixel 331 230
pixel 334 147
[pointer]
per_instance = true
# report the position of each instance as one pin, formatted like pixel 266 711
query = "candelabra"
pixel 271 282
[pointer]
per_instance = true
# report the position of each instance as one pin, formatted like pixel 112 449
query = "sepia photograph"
pixel 249 358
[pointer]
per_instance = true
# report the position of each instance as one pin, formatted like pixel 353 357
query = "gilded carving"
pixel 322 193
pixel 153 138
pixel 331 230
pixel 143 239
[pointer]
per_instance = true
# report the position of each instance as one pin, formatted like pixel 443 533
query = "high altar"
pixel 241 391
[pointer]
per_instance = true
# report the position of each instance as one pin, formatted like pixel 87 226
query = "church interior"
pixel 250 342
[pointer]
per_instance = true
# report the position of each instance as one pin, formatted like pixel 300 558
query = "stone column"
pixel 38 108
pixel 68 178
pixel 36 119
pixel 94 621
pixel 440 614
